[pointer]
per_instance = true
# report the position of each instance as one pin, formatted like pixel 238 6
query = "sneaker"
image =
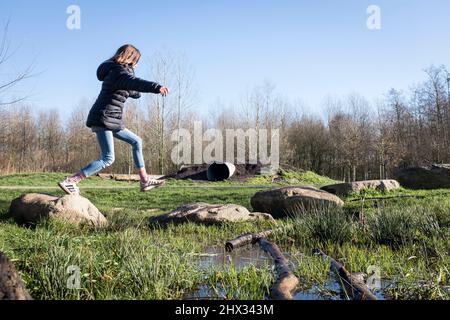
pixel 69 187
pixel 151 184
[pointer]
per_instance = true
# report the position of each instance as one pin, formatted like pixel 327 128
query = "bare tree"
pixel 172 70
pixel 51 139
pixel 10 81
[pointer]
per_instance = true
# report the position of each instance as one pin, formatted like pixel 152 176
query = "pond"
pixel 218 258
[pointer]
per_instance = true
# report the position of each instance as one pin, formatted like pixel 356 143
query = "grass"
pixel 51 179
pixel 406 238
pixel 293 178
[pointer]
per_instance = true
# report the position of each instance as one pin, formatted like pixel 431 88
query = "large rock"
pixel 204 213
pixel 436 176
pixel 286 201
pixel 349 187
pixel 11 285
pixel 31 208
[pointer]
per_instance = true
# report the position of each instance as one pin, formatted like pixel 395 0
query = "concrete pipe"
pixel 219 171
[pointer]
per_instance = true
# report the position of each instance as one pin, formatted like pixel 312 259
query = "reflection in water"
pixel 219 258
pixel 332 291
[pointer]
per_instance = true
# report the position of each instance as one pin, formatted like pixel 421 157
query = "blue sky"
pixel 308 49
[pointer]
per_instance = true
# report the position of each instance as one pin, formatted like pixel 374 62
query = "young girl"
pixel 106 116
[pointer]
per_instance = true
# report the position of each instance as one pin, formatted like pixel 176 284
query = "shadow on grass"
pixel 6 217
pixel 4 211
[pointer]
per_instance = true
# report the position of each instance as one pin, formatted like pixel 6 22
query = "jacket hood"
pixel 105 68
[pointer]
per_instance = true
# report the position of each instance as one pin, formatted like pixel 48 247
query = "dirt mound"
pixel 194 172
pixel 198 172
pixel 245 171
pixel 436 176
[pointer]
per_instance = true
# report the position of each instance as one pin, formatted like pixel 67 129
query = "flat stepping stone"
pixel 204 213
pixel 288 201
pixel 349 187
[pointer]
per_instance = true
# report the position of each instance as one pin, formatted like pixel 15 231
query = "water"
pixel 203 293
pixel 218 258
pixel 332 291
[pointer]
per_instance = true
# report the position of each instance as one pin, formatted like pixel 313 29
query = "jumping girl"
pixel 106 116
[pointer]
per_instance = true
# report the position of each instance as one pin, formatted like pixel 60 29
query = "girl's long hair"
pixel 127 55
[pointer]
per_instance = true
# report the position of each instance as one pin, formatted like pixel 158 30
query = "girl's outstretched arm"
pixel 126 81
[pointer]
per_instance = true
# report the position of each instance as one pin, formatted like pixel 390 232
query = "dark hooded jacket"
pixel 119 83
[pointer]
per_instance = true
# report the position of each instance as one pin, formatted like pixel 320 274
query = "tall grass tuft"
pixel 397 226
pixel 324 222
pixel 249 283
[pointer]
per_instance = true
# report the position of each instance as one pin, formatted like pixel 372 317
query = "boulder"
pixel 11 285
pixel 286 201
pixel 204 213
pixel 436 176
pixel 349 187
pixel 31 208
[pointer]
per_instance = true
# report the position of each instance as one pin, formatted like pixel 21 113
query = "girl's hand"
pixel 164 91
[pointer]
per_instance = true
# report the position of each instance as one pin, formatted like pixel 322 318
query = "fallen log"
pixel 11 285
pixel 105 176
pixel 127 177
pixel 352 284
pixel 119 177
pixel 286 282
pixel 246 239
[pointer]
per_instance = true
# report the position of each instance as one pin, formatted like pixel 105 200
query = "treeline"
pixel 354 139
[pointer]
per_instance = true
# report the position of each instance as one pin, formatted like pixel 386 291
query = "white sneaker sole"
pixel 67 191
pixel 152 187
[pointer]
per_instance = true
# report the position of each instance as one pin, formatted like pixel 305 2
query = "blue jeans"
pixel 106 140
